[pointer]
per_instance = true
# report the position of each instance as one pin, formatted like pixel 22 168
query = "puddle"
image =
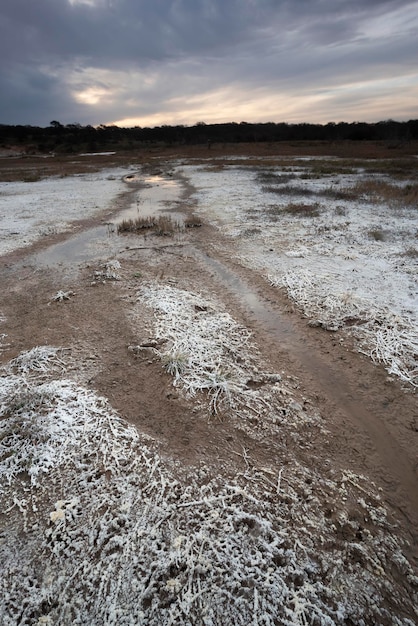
pixel 157 195
pixel 89 245
pixel 93 244
pixel 271 322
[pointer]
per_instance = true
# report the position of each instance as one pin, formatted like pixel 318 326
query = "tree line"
pixel 68 138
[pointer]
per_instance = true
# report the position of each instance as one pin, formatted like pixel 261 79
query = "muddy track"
pixel 353 393
pixel 368 417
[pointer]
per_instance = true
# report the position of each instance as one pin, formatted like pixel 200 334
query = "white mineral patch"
pixel 30 210
pixel 354 261
pixel 98 531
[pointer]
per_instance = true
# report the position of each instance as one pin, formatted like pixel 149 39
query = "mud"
pixel 371 419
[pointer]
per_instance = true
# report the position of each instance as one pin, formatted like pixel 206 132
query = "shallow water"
pixel 156 195
pixel 331 378
pixel 89 245
pixel 102 242
pixel 332 264
pixel 31 210
pixel 277 325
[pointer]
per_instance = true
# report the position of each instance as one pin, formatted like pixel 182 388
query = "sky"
pixel 154 62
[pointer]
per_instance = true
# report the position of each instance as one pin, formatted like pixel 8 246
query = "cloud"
pixel 97 61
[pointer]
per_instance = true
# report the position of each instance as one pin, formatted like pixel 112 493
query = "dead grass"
pixel 272 178
pixel 32 177
pixel 250 232
pixel 302 210
pixel 395 195
pixel 332 192
pixel 216 167
pixel 162 225
pixel 412 253
pixel 288 190
pixel 403 168
pixel 192 222
pixel 296 209
pixel 320 168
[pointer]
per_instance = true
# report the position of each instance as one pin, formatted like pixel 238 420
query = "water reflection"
pixel 156 195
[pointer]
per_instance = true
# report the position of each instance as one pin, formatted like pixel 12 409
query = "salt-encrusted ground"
pixel 348 261
pixel 33 209
pixel 98 527
pixel 264 524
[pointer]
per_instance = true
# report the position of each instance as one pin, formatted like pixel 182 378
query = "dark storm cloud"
pixel 103 60
pixel 123 30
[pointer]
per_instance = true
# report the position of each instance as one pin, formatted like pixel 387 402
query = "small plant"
pixel 109 271
pixel 192 222
pixel 377 234
pixel 175 363
pixel 218 385
pixel 60 296
pixel 39 360
pixel 27 401
pixel 163 225
pixel 48 231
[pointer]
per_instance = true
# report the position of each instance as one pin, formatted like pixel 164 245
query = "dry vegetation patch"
pixel 103 529
pixel 294 208
pixel 382 191
pixel 162 225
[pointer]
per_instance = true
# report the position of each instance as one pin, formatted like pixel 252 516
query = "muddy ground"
pixel 371 419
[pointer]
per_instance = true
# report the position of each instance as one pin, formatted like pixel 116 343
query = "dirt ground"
pixel 371 419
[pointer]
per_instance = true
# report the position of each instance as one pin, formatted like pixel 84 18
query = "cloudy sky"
pixel 153 62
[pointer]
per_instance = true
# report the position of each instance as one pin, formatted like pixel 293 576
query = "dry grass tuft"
pixel 302 210
pixel 273 178
pixel 378 190
pixel 332 192
pixel 288 190
pixel 274 211
pixel 192 222
pixel 162 226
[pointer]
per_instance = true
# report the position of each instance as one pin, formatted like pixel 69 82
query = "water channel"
pixel 157 194
pixel 150 196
